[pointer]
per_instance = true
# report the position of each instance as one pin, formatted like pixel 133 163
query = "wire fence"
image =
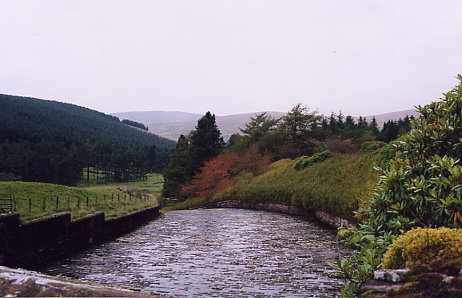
pixel 47 205
pixel 6 205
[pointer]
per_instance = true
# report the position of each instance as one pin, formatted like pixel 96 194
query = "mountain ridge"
pixel 228 124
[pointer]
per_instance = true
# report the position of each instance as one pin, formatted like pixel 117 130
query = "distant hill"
pixel 230 124
pixel 50 141
pixel 155 117
pixel 382 118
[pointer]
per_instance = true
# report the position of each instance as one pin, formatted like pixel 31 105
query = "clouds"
pixel 363 57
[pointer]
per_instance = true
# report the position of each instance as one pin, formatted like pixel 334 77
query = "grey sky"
pixel 231 56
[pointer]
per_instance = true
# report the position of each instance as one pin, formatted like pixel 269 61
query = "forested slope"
pixel 49 141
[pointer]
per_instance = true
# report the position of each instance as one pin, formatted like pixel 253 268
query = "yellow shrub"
pixel 421 246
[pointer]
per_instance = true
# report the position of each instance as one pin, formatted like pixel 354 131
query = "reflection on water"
pixel 215 252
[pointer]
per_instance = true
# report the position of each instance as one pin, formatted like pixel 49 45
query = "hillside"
pixel 338 185
pixel 50 141
pixel 230 124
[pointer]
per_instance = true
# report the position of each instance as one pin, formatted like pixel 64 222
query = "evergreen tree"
pixel 374 127
pixel 333 127
pixel 340 123
pixel 178 170
pixel 206 141
pixel 300 127
pixel 350 123
pixel 258 126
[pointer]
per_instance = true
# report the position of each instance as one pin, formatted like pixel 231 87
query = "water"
pixel 215 252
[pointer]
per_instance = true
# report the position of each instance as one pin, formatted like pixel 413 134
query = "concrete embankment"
pixel 24 283
pixel 334 221
pixel 31 244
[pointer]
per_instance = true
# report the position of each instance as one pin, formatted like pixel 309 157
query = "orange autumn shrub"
pixel 217 174
pixel 213 176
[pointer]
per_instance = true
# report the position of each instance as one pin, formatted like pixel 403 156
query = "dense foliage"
pixel 191 153
pixel 49 141
pixel 301 134
pixel 218 173
pixel 392 129
pixel 421 186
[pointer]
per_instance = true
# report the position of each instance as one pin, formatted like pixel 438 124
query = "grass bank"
pixel 34 200
pixel 338 185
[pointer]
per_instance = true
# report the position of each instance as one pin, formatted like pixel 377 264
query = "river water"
pixel 215 252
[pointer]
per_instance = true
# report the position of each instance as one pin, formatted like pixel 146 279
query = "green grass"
pixel 35 200
pixel 152 185
pixel 338 185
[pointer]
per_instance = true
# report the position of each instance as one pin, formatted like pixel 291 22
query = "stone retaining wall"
pixel 35 243
pixel 288 209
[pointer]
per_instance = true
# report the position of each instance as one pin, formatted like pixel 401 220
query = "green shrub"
pixel 422 246
pixel 306 161
pixel 422 182
pixel 420 185
pixel 371 146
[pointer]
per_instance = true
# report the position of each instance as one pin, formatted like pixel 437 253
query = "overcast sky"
pixel 232 56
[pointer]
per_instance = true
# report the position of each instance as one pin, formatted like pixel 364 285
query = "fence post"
pixel 68 202
pixel 44 203
pixel 14 205
pixel 78 202
pixel 118 197
pixel 30 205
pixel 87 201
pixel 57 203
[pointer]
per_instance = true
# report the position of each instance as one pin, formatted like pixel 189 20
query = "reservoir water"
pixel 215 252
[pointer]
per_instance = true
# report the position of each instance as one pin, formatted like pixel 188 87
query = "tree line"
pixel 49 141
pixel 134 124
pixel 263 140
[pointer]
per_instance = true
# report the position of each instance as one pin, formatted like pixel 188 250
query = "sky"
pixel 362 57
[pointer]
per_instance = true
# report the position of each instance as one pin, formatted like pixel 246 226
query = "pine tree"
pixel 350 123
pixel 206 142
pixel 374 127
pixel 178 170
pixel 300 127
pixel 258 126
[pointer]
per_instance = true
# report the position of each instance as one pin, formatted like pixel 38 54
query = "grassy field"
pixel 35 200
pixel 338 185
